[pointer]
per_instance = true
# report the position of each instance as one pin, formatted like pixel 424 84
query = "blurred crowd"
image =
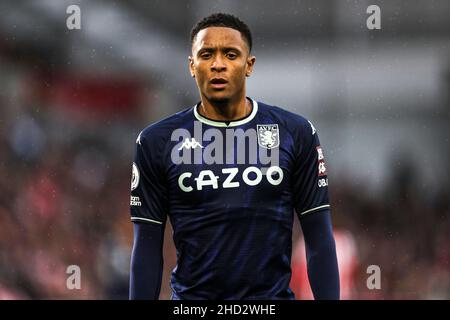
pixel 64 181
pixel 64 192
pixel 403 230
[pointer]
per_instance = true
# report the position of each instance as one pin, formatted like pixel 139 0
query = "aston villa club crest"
pixel 268 135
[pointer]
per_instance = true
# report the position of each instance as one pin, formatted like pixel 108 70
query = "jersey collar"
pixel 216 123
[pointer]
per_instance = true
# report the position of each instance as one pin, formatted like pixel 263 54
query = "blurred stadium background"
pixel 73 101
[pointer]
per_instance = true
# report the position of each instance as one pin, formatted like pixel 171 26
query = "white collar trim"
pixel 215 123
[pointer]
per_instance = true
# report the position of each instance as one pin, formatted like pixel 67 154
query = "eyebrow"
pixel 212 49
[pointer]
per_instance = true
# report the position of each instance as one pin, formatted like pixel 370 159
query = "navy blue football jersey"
pixel 231 191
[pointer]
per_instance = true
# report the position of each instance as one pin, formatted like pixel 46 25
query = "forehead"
pixel 218 37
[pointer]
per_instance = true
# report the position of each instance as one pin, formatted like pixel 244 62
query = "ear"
pixel 191 66
pixel 250 63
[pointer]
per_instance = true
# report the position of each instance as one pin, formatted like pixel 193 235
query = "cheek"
pixel 201 73
pixel 239 75
pixel 241 70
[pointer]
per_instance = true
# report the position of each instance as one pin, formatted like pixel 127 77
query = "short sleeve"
pixel 149 198
pixel 310 179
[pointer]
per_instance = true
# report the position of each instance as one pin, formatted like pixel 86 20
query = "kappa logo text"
pixel 192 144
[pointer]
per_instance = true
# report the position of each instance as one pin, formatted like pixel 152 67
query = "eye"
pixel 231 55
pixel 205 55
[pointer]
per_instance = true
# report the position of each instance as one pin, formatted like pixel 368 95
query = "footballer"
pixel 231 173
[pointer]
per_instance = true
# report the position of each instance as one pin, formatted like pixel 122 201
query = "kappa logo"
pixel 138 139
pixel 192 144
pixel 313 130
pixel 268 135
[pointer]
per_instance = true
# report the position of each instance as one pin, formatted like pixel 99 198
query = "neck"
pixel 225 110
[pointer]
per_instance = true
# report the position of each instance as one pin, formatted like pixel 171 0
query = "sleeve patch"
pixel 321 159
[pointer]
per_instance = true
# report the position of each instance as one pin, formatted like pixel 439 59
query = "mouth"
pixel 218 83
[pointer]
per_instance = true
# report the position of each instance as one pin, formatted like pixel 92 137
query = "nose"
pixel 218 64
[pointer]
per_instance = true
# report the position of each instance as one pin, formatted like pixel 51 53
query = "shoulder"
pixel 293 122
pixel 162 129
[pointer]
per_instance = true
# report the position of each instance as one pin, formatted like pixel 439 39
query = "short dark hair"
pixel 223 20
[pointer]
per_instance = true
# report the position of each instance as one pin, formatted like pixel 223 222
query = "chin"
pixel 219 98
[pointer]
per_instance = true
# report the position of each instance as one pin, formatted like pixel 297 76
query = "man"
pixel 229 173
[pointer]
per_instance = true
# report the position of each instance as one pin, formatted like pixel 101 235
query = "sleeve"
pixel 147 262
pixel 310 181
pixel 320 247
pixel 149 192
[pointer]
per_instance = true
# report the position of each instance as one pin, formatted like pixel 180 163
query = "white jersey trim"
pixel 145 219
pixel 232 123
pixel 314 209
